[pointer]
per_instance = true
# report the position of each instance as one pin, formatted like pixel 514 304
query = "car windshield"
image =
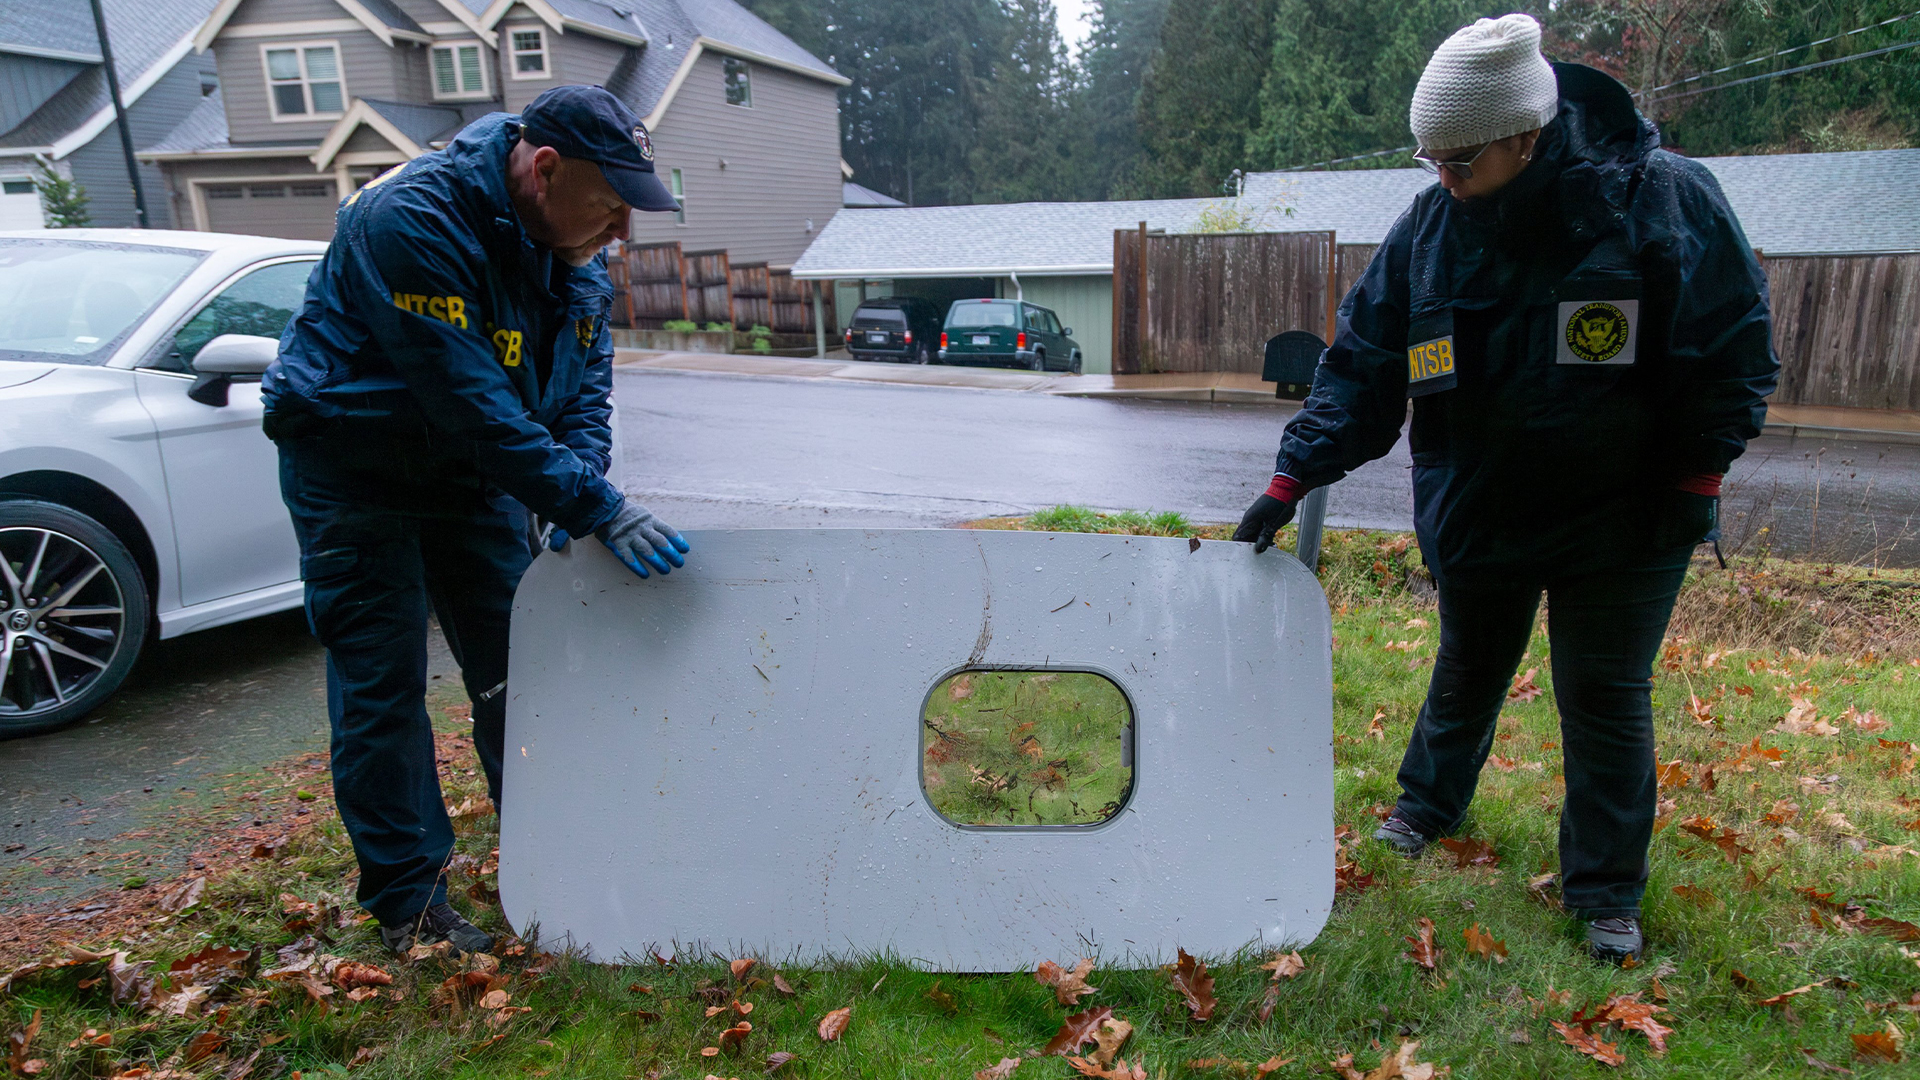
pixel 73 302
pixel 969 313
pixel 880 317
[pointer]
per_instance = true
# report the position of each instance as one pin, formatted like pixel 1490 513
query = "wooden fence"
pixel 752 295
pixel 709 288
pixel 656 285
pixel 1847 328
pixel 792 303
pixel 1213 299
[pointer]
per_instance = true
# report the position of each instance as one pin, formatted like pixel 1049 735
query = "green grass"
pixel 1026 748
pixel 1358 994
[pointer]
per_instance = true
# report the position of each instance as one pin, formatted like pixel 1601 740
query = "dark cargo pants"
pixel 385 532
pixel 1604 632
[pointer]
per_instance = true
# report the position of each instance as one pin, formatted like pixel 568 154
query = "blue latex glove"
pixel 557 539
pixel 641 540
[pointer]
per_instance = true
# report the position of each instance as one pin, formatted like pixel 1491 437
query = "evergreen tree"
pixel 62 201
pixel 1021 150
pixel 1104 106
pixel 1342 74
pixel 1201 100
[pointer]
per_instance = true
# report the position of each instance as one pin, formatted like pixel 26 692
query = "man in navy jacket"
pixel 447 381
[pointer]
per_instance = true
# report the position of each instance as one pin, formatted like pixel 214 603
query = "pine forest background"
pixel 958 101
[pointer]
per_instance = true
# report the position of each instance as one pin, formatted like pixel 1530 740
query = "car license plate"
pixel 876 339
pixel 983 339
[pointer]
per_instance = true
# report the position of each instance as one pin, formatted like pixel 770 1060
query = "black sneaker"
pixel 438 923
pixel 1615 941
pixel 1401 837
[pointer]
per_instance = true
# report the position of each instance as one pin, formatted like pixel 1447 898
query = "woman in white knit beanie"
pixel 1581 330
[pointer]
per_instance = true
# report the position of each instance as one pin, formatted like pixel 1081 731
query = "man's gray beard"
pixel 579 256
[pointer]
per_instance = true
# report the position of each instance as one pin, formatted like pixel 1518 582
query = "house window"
pixel 303 82
pixel 739 83
pixel 530 54
pixel 679 189
pixel 458 72
pixel 17 187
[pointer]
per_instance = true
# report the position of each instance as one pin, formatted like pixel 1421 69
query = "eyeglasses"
pixel 1460 167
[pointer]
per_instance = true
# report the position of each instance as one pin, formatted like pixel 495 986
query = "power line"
pixel 1789 71
pixel 1783 52
pixel 1356 157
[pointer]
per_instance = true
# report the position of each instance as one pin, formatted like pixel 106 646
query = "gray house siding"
pixel 581 58
pixel 371 69
pixel 26 82
pixel 515 93
pixel 101 165
pixel 782 164
pixel 276 11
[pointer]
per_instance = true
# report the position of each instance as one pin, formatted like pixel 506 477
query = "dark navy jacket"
pixel 433 321
pixel 1572 345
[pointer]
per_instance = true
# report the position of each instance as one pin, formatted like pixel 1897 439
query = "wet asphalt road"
pixel 711 451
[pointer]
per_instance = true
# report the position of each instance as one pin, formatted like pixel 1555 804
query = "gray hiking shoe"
pixel 1615 941
pixel 436 924
pixel 1401 837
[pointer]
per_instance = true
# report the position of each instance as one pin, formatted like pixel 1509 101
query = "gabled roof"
pixel 616 20
pixel 383 18
pixel 205 128
pixel 1789 204
pixel 411 129
pixel 683 29
pixel 149 37
pixel 58 31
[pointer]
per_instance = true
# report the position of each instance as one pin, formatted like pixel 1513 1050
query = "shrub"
pixel 681 326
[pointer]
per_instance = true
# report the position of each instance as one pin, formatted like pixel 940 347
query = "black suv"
pixel 903 329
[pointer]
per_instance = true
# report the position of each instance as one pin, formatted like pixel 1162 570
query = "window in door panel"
pixel 259 304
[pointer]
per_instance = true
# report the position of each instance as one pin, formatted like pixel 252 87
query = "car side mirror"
pixel 223 358
pixel 1066 331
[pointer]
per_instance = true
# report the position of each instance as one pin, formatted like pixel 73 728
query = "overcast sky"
pixel 1073 26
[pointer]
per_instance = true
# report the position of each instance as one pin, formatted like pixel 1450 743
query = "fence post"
pixel 1140 363
pixel 1333 282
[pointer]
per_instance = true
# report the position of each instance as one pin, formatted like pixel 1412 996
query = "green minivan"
pixel 1008 332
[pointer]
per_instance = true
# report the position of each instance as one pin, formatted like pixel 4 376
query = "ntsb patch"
pixel 585 330
pixel 1598 331
pixel 1430 367
pixel 643 141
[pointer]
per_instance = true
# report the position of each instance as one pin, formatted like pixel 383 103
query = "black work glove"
pixel 1687 520
pixel 1265 517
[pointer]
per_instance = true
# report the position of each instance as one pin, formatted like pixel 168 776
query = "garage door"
pixel 19 204
pixel 297 209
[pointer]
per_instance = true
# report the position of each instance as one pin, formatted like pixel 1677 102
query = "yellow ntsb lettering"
pixel 451 310
pixel 1430 359
pixel 506 345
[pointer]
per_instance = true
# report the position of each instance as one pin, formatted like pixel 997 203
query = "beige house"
pixel 319 96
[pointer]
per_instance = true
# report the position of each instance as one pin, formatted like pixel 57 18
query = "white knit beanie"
pixel 1486 82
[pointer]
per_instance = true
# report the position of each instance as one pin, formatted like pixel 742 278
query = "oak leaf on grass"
pixel 1108 1039
pixel 1068 986
pixel 1580 1039
pixel 1423 952
pixel 1470 852
pixel 1120 1070
pixel 1878 1046
pixel 1076 1031
pixel 1000 1071
pixel 834 1024
pixel 1484 945
pixel 1191 979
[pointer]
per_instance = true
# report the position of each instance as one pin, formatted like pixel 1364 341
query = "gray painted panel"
pixel 783 164
pixel 788 669
pixel 298 217
pixel 26 82
pixel 582 58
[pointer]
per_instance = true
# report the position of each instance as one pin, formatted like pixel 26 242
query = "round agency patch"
pixel 641 140
pixel 1597 332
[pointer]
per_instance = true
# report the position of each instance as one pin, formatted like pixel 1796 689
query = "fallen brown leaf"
pixel 944 1000
pixel 1423 952
pixel 20 1042
pixel 1524 688
pixel 1470 852
pixel 1285 966
pixel 777 1059
pixel 1191 979
pixel 834 1024
pixel 1484 945
pixel 780 984
pixel 999 1071
pixel 1696 895
pixel 1068 986
pixel 1814 1062
pixel 351 973
pixel 1877 1046
pixel 1120 1070
pixel 1076 1031
pixel 1108 1039
pixel 1580 1039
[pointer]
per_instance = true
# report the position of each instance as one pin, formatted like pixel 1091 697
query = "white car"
pixel 138 495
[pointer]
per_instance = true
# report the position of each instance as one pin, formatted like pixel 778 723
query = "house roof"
pixel 1789 204
pixel 859 195
pixel 205 128
pixel 39 28
pixel 391 16
pixel 149 38
pixel 424 124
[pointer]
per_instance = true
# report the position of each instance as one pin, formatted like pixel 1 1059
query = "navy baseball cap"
pixel 588 123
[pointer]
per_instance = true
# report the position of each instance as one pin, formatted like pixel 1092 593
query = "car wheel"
pixel 923 354
pixel 1039 362
pixel 73 615
pixel 1073 366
